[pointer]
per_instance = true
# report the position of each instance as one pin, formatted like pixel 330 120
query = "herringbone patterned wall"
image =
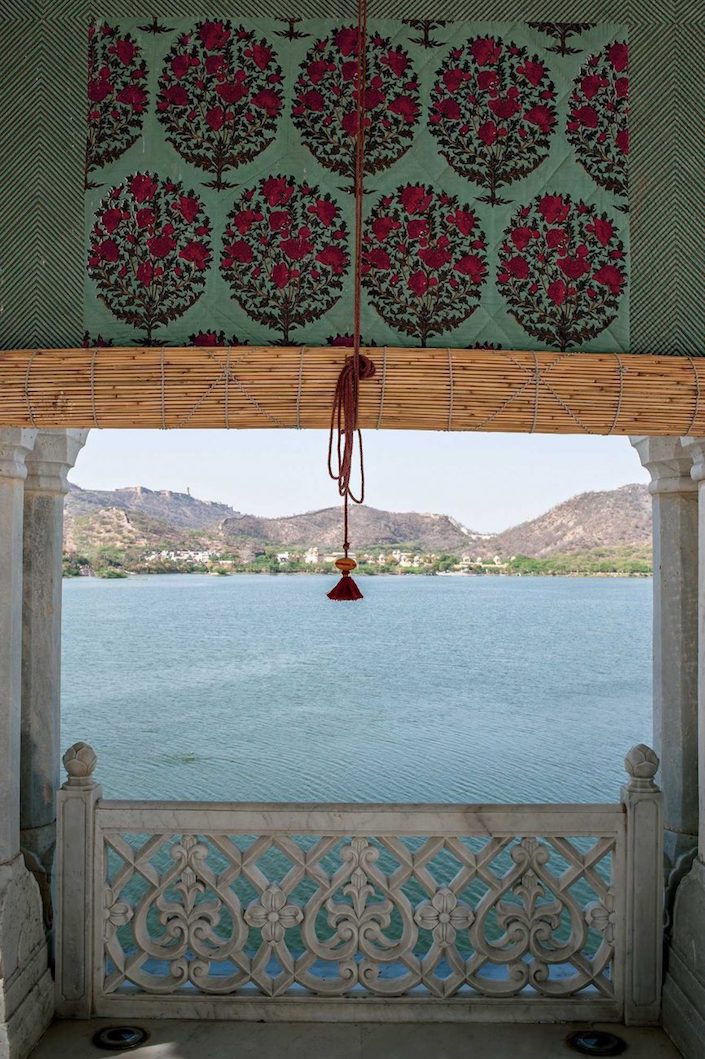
pixel 42 104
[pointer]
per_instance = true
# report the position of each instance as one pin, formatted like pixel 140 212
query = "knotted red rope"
pixel 344 428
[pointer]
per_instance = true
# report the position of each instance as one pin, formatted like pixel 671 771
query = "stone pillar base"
pixel 684 987
pixel 26 986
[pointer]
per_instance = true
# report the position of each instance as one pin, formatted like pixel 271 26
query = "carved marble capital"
pixel 668 462
pixel 54 454
pixel 695 447
pixel 15 446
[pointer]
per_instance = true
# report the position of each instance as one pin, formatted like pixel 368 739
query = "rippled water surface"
pixel 431 689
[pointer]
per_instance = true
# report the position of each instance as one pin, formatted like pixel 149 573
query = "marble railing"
pixel 354 911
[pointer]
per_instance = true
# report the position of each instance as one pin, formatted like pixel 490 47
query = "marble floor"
pixel 252 1040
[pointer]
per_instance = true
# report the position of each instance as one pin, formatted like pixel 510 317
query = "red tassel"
pixel 346 587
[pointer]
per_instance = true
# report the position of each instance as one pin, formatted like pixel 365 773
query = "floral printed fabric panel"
pixel 220 182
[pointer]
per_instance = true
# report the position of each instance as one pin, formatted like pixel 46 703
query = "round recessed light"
pixel 596 1042
pixel 120 1038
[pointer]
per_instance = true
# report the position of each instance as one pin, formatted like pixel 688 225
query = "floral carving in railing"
pixel 440 916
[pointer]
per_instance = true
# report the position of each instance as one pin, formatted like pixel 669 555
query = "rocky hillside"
pixel 615 519
pixel 369 527
pixel 141 519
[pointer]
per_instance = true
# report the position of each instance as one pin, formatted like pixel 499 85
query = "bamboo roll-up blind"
pixel 292 386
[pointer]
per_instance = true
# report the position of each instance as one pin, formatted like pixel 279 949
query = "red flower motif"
pixel 133 95
pixel 406 107
pixel 597 125
pixel 214 338
pixel 160 245
pixel 214 35
pixel 280 221
pixel 434 257
pixel 488 91
pixel 296 249
pixel 603 229
pixel 197 252
pixel 117 95
pixel 111 219
pixel 262 54
pixel 618 55
pixel 325 210
pixel 432 246
pixel 612 277
pixel 125 49
pixel 215 118
pixel 464 220
pixel 487 133
pixel 239 250
pixel 563 286
pixel 220 97
pixel 521 237
pixel 145 272
pixel 415 198
pixel 517 266
pixel 334 256
pixel 473 266
pixel 557 291
pixel 108 250
pixel 267 100
pixel 281 263
pixel 574 267
pixel 144 217
pixel 324 107
pixel 533 71
pixel 418 283
pixel 143 187
pixel 541 116
pixel 554 208
pixel 147 232
pixel 189 207
pixel 486 51
pixel 347 40
pixel 277 190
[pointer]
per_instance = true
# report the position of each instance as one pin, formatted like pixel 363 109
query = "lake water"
pixel 431 689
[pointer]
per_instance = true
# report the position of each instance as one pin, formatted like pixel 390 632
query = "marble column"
pixel 684 986
pixel 26 987
pixel 53 456
pixel 675 637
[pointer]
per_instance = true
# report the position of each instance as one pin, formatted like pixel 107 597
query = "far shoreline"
pixel 124 575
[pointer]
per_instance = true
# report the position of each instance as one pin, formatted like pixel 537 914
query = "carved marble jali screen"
pixel 388 916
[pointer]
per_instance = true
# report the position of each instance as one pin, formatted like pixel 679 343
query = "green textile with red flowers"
pixel 220 183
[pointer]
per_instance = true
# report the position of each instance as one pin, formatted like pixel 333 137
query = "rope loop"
pixel 383 388
pixel 299 388
pixel 696 407
pixel 227 390
pixel 162 381
pixel 344 428
pixel 537 392
pixel 28 400
pixel 450 388
pixel 621 372
pixel 94 358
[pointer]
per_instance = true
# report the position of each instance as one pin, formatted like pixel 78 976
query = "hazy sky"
pixel 487 481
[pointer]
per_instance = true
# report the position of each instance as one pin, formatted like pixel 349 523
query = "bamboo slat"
pixel 414 389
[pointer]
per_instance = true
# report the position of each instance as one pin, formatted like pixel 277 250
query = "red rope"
pixel 344 429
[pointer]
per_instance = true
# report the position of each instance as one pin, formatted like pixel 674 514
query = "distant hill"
pixel 142 519
pixel 369 528
pixel 615 519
